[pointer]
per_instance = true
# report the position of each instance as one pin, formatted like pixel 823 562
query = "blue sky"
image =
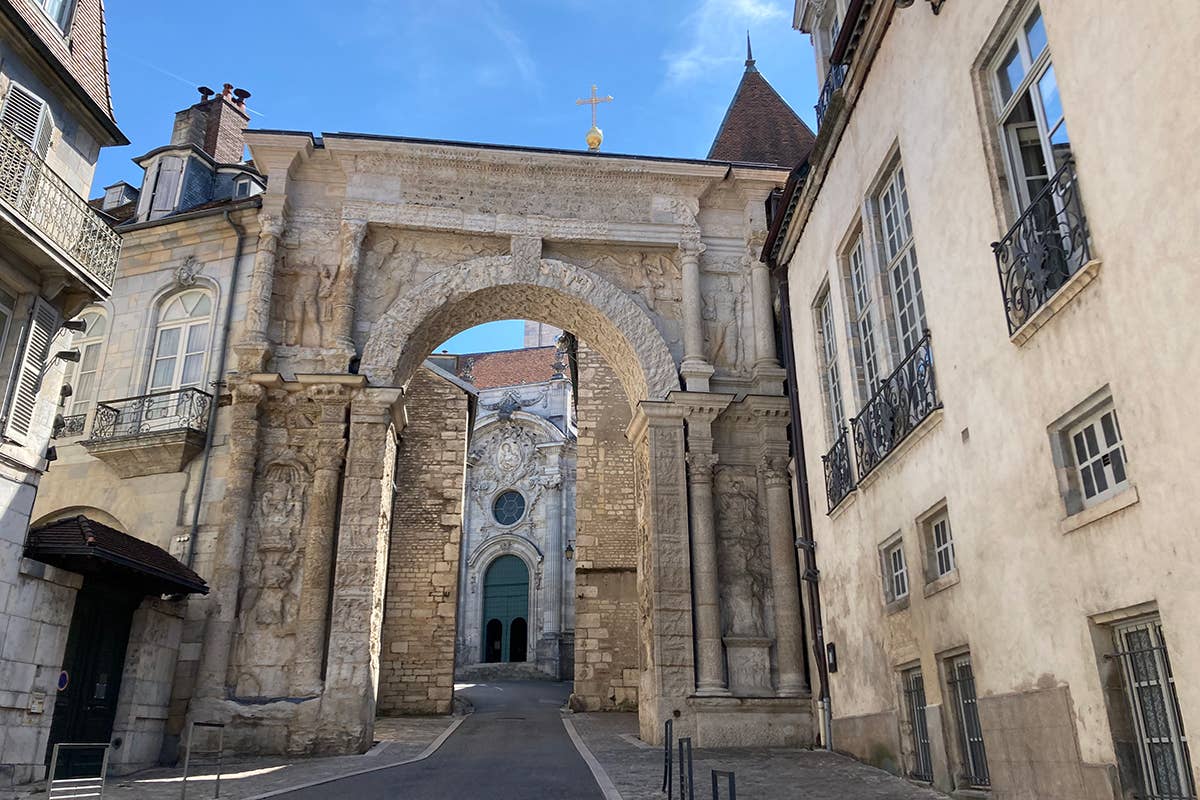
pixel 472 70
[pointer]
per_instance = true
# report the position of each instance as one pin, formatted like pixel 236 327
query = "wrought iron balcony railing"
pixel 72 425
pixel 162 412
pixel 839 472
pixel 1047 245
pixel 899 405
pixel 833 81
pixel 49 205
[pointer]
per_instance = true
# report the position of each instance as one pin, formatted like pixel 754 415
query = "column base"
pixel 749 665
pixel 696 374
pixel 769 378
pixel 751 721
pixel 792 688
pixel 713 691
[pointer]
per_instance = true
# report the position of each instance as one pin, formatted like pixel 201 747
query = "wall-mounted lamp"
pixel 77 325
pixel 569 551
pixel 67 355
pixel 831 656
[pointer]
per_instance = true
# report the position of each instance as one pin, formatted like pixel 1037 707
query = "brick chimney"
pixel 215 124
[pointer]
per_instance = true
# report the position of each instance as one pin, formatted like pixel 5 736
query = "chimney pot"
pixel 205 93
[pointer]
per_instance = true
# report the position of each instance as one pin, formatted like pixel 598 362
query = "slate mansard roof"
pixel 760 127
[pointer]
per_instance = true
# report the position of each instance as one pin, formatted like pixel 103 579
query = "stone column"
pixel 664 570
pixel 321 516
pixel 552 584
pixel 764 324
pixel 226 579
pixel 695 368
pixel 789 647
pixel 254 347
pixel 347 716
pixel 710 655
pixel 354 232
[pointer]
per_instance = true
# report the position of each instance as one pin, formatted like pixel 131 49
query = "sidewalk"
pixel 400 739
pixel 636 769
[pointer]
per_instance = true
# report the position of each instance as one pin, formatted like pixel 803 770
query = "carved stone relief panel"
pixel 742 548
pixel 653 276
pixel 726 307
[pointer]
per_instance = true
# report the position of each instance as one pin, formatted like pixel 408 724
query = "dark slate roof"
pixel 760 127
pixel 82 545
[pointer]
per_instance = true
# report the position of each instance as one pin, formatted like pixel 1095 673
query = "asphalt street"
pixel 514 747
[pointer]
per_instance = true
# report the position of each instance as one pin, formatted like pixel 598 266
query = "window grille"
pixel 1162 745
pixel 914 696
pixel 974 754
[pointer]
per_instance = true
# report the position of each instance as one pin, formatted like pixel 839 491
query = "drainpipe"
pixel 805 541
pixel 217 384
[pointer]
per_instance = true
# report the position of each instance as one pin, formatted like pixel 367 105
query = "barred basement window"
pixel 914 701
pixel 1162 746
pixel 973 765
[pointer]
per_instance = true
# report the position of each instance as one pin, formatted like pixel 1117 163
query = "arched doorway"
pixel 505 609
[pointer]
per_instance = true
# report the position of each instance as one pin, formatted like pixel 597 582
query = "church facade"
pixel 267 417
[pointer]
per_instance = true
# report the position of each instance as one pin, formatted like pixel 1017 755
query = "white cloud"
pixel 715 34
pixel 513 43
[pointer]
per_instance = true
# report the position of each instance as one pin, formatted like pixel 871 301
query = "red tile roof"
pixel 760 127
pixel 83 54
pixel 508 367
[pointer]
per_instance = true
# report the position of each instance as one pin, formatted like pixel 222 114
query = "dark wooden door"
pixel 92 666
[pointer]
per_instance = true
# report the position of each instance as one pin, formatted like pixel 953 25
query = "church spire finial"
pixel 749 55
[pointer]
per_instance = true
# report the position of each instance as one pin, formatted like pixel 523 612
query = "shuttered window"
pixel 28 117
pixel 42 324
pixel 166 186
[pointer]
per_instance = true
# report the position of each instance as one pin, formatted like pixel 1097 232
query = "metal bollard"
pixel 730 784
pixel 685 778
pixel 667 747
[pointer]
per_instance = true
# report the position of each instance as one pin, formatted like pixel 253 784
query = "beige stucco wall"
pixel 1130 91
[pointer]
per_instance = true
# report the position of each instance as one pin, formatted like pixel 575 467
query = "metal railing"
pixel 839 471
pixel 48 204
pixel 1046 246
pixel 914 695
pixel 72 425
pixel 84 775
pixel 970 732
pixel 161 412
pixel 899 405
pixel 195 755
pixel 833 81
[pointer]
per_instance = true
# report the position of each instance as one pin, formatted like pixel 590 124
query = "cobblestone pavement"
pixel 762 774
pixel 400 738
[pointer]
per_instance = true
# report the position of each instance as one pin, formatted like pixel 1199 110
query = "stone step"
pixel 481 673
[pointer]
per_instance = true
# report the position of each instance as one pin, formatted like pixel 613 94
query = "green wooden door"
pixel 505 601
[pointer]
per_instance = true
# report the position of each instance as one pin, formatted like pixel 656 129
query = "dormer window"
pixel 59 11
pixel 166 186
pixel 241 188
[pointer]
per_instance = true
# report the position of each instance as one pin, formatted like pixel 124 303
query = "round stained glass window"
pixel 509 507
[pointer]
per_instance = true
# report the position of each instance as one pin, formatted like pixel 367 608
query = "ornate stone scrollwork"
pixel 774 469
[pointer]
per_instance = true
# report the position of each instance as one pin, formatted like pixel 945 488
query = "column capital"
pixel 330 454
pixel 247 393
pixel 270 225
pixel 690 246
pixel 702 464
pixel 774 469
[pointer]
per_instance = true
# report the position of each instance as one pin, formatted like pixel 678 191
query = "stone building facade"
pixel 56 256
pixel 516 574
pixel 311 465
pixel 1000 425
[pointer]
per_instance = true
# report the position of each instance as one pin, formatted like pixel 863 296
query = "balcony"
pixel 905 399
pixel 833 81
pixel 1047 245
pixel 45 221
pixel 150 434
pixel 839 472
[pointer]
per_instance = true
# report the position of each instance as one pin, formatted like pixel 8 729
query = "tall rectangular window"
pixel 1162 746
pixel 8 304
pixel 943 545
pixel 830 383
pixel 970 732
pixel 914 696
pixel 1099 453
pixel 901 256
pixel 895 570
pixel 862 308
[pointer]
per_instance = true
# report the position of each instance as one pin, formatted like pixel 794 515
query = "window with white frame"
pixel 181 342
pixel 1032 125
pixel 940 544
pixel 59 11
pixel 861 320
pixel 82 376
pixel 830 384
pixel 1099 453
pixel 241 188
pixel 900 255
pixel 8 305
pixel 1162 746
pixel 895 570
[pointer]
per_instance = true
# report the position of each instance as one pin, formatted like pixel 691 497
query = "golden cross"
pixel 594 101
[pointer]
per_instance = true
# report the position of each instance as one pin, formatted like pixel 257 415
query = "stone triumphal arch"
pixel 334 582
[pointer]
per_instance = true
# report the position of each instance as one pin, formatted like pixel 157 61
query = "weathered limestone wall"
pixel 606 546
pixel 417 660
